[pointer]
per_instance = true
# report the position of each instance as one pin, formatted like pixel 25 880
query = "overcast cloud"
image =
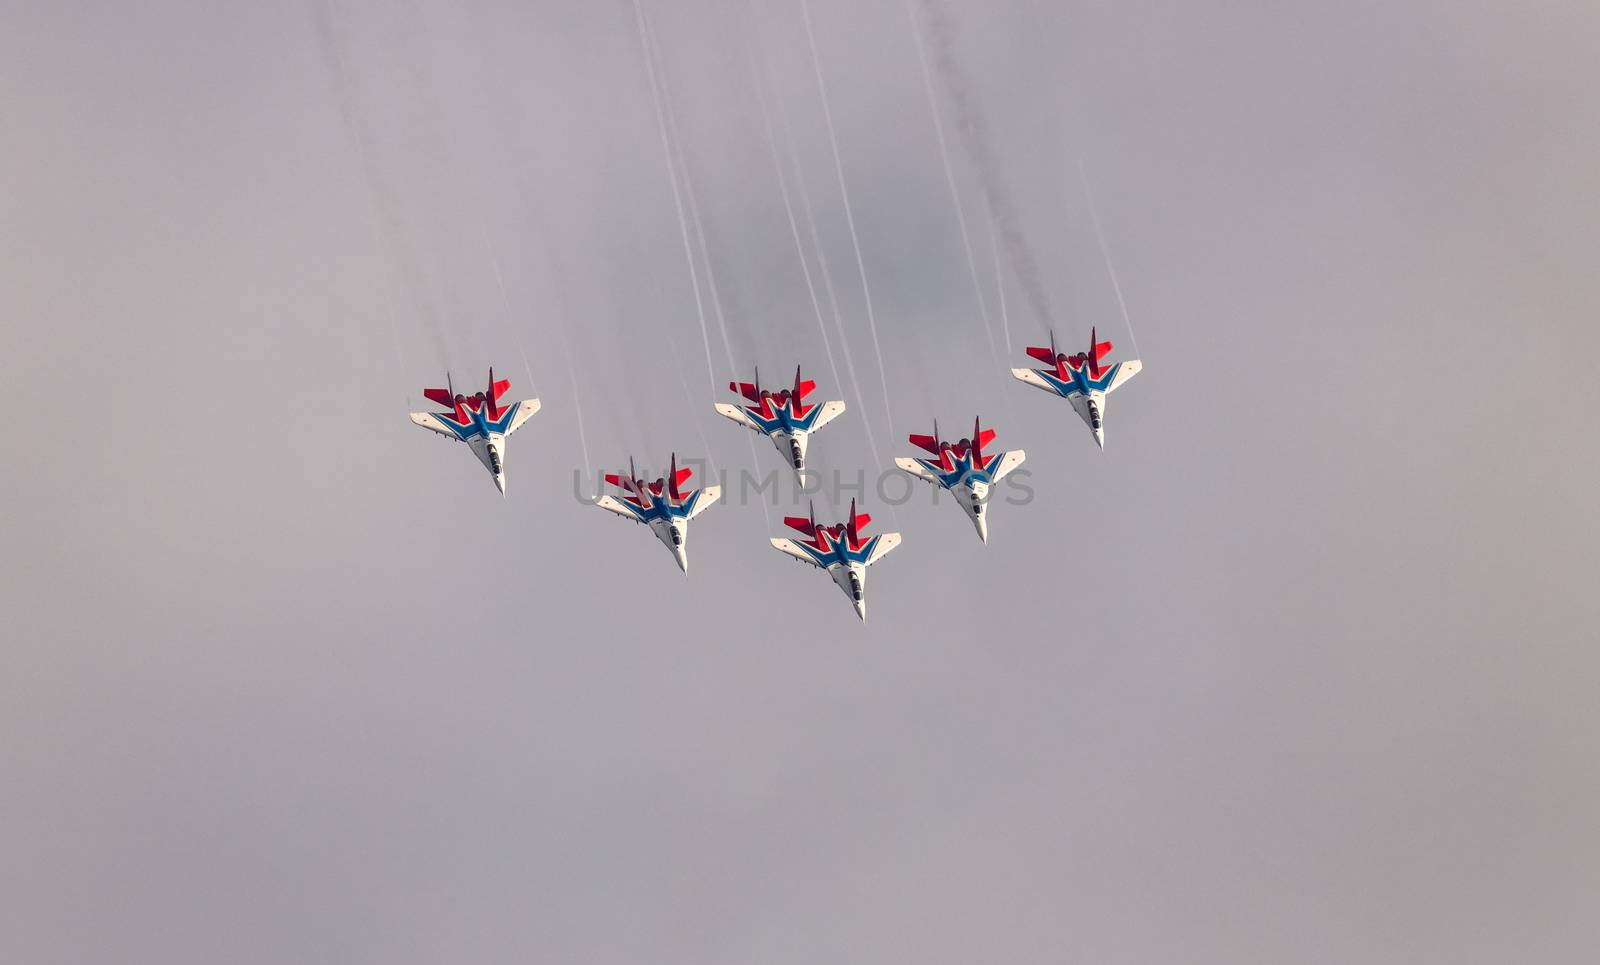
pixel 1302 668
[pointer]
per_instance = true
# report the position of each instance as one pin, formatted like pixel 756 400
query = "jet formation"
pixel 843 550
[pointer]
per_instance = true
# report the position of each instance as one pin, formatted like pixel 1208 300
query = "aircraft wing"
pixel 737 415
pixel 1037 381
pixel 883 547
pixel 1008 462
pixel 791 548
pixel 703 500
pixel 917 469
pixel 428 420
pixel 525 410
pixel 613 505
pixel 1125 371
pixel 830 411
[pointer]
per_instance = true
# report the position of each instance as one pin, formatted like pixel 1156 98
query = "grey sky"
pixel 1301 669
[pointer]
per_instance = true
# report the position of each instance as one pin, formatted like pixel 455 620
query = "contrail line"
pixel 950 178
pixel 849 217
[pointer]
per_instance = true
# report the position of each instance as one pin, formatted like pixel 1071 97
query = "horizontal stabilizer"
pixel 1101 350
pixel 441 396
pixel 926 442
pixel 800 523
pixel 1042 354
pixel 500 388
pixel 984 438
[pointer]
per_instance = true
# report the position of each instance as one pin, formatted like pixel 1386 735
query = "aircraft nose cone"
pixel 1100 437
pixel 861 610
pixel 500 484
pixel 983 528
pixel 683 560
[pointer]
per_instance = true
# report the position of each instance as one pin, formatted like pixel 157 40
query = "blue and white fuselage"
pixel 967 474
pixel 1081 387
pixel 846 561
pixel 667 515
pixel 788 423
pixel 484 434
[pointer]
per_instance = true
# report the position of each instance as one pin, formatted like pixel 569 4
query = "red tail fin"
pixel 802 388
pixel 858 522
pixel 677 477
pixel 1101 349
pixel 980 437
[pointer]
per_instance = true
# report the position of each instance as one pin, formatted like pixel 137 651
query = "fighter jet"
pixel 841 550
pixel 663 505
pixel 1082 379
pixel 964 469
pixel 478 420
pixel 782 416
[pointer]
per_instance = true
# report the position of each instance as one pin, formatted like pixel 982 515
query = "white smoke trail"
pixel 577 407
pixel 384 201
pixel 975 134
pixel 1105 253
pixel 683 382
pixel 827 277
pixel 794 227
pixel 849 216
pixel 677 197
pixel 394 330
pixel 505 302
pixel 693 203
pixel 667 127
pixel 950 178
pixel 999 281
